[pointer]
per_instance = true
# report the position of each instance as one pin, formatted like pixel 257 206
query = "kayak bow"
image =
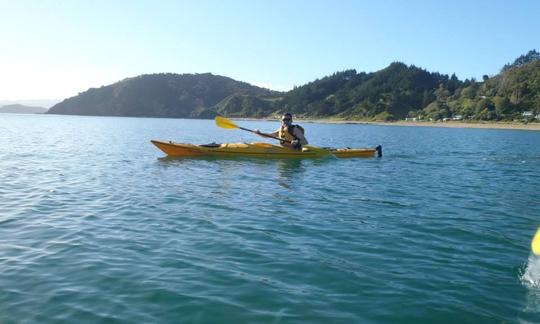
pixel 260 150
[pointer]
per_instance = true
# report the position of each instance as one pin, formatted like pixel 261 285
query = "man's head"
pixel 286 119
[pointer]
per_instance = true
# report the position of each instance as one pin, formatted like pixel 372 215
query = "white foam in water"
pixel 531 276
pixel 531 279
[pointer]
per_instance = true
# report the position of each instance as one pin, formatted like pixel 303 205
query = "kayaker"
pixel 289 133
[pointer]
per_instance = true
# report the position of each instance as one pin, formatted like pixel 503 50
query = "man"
pixel 292 135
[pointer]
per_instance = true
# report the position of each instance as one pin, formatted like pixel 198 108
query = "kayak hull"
pixel 259 150
pixel 357 153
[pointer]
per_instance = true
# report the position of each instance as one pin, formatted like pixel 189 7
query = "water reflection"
pixel 289 171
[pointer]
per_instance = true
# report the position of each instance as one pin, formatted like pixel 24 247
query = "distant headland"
pixel 22 109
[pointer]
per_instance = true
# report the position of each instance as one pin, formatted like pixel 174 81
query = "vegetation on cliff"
pixel 396 92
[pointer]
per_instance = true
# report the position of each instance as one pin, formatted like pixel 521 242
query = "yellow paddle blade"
pixel 535 245
pixel 225 123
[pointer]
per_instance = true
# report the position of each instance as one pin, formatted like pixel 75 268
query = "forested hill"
pixel 393 93
pixel 401 91
pixel 159 95
pixel 389 93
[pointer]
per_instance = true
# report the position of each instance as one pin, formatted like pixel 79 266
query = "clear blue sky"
pixel 55 49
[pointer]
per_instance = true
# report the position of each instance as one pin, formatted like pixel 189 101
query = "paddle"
pixel 228 124
pixel 535 245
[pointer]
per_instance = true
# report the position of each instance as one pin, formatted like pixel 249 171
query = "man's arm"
pixel 275 134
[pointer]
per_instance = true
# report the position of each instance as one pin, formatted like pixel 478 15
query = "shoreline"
pixel 447 124
pixel 450 124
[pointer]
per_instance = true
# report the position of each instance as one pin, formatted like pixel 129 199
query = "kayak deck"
pixel 260 150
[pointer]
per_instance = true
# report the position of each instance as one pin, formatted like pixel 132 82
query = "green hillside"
pixel 158 95
pixel 396 92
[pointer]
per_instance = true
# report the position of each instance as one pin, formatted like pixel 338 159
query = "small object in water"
pixel 535 245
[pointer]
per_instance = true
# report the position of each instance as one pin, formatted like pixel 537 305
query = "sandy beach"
pixel 450 124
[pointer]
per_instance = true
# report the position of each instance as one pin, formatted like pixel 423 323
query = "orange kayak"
pixel 261 150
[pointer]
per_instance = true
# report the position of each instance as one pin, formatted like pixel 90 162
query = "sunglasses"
pixel 286 119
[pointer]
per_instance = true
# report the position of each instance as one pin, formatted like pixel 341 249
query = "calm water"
pixel 96 226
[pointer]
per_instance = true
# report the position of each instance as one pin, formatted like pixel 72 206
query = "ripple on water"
pixel 95 226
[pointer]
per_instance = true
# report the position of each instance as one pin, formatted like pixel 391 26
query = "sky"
pixel 54 49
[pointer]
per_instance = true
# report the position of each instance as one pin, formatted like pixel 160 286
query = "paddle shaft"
pixel 228 124
pixel 263 134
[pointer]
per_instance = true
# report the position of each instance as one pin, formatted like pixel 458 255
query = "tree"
pixel 453 83
pixel 531 56
pixel 437 110
pixel 502 106
pixel 427 98
pixel 485 109
pixel 442 93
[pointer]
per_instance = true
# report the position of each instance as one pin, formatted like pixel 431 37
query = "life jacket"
pixel 287 133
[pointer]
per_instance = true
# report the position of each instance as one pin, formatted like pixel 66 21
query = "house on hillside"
pixel 457 117
pixel 527 114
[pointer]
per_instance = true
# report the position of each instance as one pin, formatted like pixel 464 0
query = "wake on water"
pixel 530 277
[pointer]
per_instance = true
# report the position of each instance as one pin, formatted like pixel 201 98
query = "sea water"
pixel 96 225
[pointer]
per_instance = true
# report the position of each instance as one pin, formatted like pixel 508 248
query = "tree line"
pixel 397 92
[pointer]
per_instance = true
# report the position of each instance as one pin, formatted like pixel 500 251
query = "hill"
pixel 386 94
pixel 45 103
pixel 158 95
pixel 22 109
pixel 396 92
